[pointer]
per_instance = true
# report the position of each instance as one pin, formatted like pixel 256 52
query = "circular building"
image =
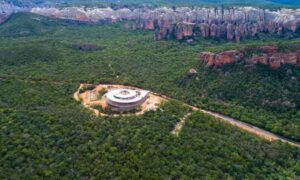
pixel 125 99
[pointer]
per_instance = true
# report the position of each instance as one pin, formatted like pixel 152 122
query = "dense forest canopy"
pixel 252 94
pixel 50 135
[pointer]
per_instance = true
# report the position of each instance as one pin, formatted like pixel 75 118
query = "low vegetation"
pixel 101 93
pixel 87 88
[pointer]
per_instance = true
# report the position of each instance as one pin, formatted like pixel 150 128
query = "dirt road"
pixel 239 124
pixel 250 128
pixel 180 124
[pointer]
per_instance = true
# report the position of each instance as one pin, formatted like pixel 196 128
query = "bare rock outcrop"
pixel 226 57
pixel 269 49
pixel 208 58
pixel 230 32
pixel 148 24
pixel 275 60
pixel 291 58
pixel 204 28
pixel 166 29
pixel 184 29
pixel 233 23
pixel 192 72
pixel 263 59
pixel 183 22
pixel 270 56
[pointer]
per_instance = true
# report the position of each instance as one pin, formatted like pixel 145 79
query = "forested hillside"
pixel 49 135
pixel 253 94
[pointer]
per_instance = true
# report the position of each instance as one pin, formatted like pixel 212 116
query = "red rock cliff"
pixel 222 58
pixel 274 58
pixel 270 56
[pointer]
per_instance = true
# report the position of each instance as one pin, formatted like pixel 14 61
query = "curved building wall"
pixel 125 107
pixel 125 104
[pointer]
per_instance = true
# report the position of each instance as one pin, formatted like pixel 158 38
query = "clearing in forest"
pixel 180 124
pixel 93 98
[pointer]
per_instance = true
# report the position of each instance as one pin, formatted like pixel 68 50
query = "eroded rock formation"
pixel 226 57
pixel 208 58
pixel 183 22
pixel 192 72
pixel 232 23
pixel 270 55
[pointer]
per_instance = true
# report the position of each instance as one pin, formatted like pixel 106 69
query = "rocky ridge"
pixel 272 57
pixel 184 22
pixel 268 55
pixel 226 57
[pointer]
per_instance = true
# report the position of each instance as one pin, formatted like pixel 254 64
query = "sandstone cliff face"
pixel 270 56
pixel 147 24
pixel 275 59
pixel 226 57
pixel 269 49
pixel 232 23
pixel 208 58
pixel 184 29
pixel 263 59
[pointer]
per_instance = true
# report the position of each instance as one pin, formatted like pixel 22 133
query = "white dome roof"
pixel 125 96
